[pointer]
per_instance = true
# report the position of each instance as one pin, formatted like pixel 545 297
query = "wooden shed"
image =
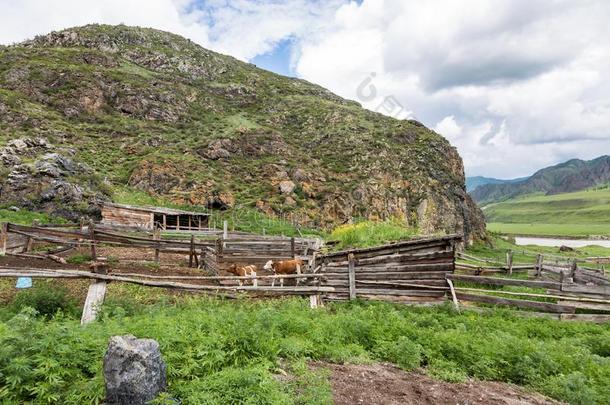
pixel 168 219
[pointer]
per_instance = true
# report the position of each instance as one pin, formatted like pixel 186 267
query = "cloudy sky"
pixel 516 85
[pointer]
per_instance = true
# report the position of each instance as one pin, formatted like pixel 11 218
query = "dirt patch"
pixel 386 384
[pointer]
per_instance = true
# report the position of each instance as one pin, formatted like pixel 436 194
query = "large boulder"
pixel 134 371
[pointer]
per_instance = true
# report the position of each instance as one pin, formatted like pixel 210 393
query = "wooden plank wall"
pixel 258 250
pixel 411 271
pixel 15 243
pixel 126 217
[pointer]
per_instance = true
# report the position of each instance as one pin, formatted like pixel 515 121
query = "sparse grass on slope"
pixel 25 217
pixel 581 213
pixel 222 352
pixel 370 233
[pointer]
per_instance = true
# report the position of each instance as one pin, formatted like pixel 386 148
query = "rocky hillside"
pixel 86 109
pixel 573 175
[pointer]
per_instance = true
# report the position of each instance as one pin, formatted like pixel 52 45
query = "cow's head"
pixel 268 265
pixel 232 268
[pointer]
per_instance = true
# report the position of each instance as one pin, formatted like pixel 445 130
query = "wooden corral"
pixel 410 271
pixel 149 218
pixel 568 286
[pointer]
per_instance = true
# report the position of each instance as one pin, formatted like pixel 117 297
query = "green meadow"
pixel 582 213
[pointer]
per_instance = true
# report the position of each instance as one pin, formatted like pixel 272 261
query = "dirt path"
pixel 386 384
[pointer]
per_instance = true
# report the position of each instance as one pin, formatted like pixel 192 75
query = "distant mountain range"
pixel 476 181
pixel 573 175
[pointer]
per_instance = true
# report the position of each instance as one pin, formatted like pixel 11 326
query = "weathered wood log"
pixel 12 272
pixel 524 294
pixel 586 289
pixel 400 284
pixel 586 305
pixel 397 258
pixel 504 281
pixel 351 276
pixel 397 247
pixel 93 302
pixel 488 299
pixel 453 296
pixel 445 266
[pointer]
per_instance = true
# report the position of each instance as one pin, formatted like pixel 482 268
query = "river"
pixel 573 243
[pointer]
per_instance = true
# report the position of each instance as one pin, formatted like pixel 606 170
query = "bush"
pixel 370 233
pixel 47 299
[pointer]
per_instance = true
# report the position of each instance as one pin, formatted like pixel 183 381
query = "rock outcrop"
pixel 156 112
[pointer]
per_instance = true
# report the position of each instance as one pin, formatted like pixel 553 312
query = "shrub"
pixel 370 233
pixel 47 299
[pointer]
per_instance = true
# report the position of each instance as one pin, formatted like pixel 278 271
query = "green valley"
pixel 581 213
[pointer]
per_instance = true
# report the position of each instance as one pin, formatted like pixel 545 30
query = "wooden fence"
pixel 410 271
pixel 569 289
pixel 217 252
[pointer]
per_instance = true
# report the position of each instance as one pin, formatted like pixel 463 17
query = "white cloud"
pixel 514 84
pixel 449 128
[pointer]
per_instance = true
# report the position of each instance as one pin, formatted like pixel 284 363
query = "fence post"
pixel 28 245
pixel 157 237
pixel 92 243
pixel 539 261
pixel 192 250
pixel 574 269
pixel 293 248
pixel 509 262
pixel 3 238
pixel 352 276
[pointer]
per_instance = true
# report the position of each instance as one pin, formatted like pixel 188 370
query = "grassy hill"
pixel 88 111
pixel 567 177
pixel 579 213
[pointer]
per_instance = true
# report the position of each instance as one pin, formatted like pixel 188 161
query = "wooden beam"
pixel 352 276
pixel 586 289
pixel 92 240
pixel 49 273
pixel 3 238
pixel 93 302
pixel 157 236
pixel 192 250
pixel 539 262
pixel 543 306
pixel 453 296
pixel 504 281
pixel 509 262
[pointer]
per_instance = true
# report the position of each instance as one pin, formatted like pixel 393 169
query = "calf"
pixel 284 267
pixel 244 272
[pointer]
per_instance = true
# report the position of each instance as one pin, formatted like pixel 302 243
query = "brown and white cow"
pixel 292 266
pixel 244 271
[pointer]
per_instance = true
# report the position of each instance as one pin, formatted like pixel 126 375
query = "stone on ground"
pixel 134 371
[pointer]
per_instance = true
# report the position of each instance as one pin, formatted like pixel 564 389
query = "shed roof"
pixel 156 210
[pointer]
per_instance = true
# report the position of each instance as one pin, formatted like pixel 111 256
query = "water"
pixel 573 243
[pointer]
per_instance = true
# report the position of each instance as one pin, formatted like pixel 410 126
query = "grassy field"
pixel 221 351
pixel 582 213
